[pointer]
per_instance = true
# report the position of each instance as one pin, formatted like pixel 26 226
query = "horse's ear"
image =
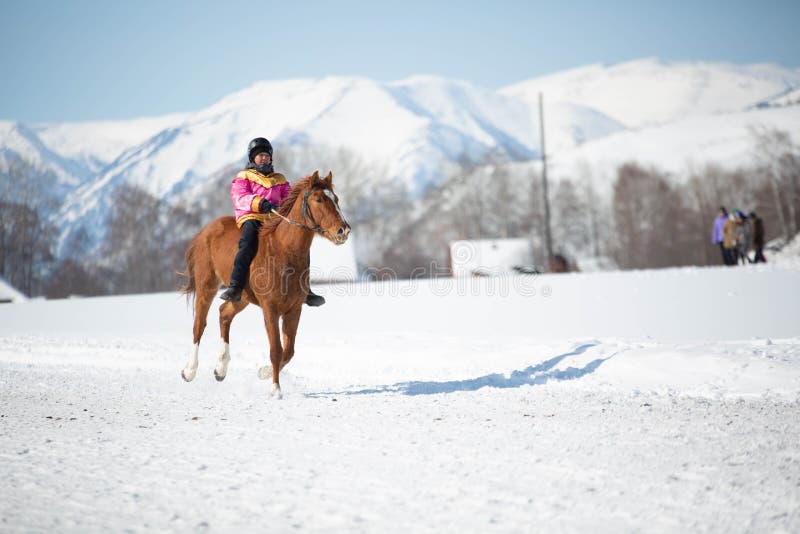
pixel 329 179
pixel 315 176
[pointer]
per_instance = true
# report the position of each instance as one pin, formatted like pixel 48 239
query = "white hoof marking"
pixel 188 374
pixel 221 370
pixel 190 370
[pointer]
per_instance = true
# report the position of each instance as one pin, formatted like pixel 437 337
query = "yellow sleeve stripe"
pixel 254 204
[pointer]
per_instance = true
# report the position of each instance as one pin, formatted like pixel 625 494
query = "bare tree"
pixel 26 237
pixel 649 217
pixel 779 163
pixel 594 212
pixel 571 234
pixel 145 241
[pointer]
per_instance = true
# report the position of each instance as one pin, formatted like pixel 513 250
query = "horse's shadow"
pixel 533 375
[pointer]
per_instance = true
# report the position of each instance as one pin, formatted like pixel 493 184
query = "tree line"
pixel 649 220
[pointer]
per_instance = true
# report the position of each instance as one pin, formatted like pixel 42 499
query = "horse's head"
pixel 321 209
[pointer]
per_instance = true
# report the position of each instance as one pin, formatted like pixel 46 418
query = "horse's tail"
pixel 189 288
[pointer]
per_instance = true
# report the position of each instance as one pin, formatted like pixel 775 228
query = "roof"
pixel 332 263
pixel 9 293
pixel 485 257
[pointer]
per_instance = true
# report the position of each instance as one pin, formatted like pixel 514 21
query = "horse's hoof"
pixel 265 372
pixel 276 392
pixel 218 376
pixel 187 376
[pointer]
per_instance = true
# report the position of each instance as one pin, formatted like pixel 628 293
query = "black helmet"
pixel 256 146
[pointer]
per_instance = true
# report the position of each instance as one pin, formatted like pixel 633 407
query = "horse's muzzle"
pixel 342 234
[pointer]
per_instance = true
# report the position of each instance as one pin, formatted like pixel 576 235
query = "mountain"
pixel 650 92
pixel 790 98
pixel 20 143
pixel 409 128
pixel 677 116
pixel 678 147
pixel 94 145
pixel 668 114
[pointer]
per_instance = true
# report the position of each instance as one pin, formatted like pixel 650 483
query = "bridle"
pixel 306 213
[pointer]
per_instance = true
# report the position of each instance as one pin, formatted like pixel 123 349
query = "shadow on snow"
pixel 533 375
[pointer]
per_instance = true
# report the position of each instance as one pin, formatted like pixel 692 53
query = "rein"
pixel 306 214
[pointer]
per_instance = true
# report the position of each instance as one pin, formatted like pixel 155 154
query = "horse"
pixel 279 278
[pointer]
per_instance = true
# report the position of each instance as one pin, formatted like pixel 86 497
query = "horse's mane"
pixel 286 206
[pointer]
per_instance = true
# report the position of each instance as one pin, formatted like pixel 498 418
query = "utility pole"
pixel 547 235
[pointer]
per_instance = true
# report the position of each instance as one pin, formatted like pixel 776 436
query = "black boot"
pixel 312 299
pixel 248 245
pixel 232 294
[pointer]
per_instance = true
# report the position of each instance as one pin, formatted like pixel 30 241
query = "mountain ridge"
pixel 415 128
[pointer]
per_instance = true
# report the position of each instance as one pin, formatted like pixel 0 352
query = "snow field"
pixel 654 400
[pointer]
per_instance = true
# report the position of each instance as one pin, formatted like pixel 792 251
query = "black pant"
pixel 248 246
pixel 759 254
pixel 730 256
pixel 724 254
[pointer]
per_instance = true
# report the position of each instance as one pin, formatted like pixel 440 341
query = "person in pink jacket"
pixel 255 192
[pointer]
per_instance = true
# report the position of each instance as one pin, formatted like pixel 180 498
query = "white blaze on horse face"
pixel 190 370
pixel 330 195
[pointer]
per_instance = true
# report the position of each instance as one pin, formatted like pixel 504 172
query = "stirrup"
pixel 232 294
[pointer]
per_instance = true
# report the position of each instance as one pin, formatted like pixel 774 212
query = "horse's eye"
pixel 320 199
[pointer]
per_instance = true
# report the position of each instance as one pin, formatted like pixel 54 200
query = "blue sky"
pixel 81 60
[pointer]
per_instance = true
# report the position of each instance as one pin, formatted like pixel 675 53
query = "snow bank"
pixel 789 254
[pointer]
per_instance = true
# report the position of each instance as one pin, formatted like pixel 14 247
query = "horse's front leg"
pixel 275 350
pixel 290 322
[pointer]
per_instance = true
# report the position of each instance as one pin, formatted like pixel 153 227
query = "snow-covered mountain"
pixel 651 92
pixel 677 116
pixel 792 98
pixel 18 143
pixel 410 128
pixel 74 153
pixel 677 148
pixel 664 114
pixel 96 144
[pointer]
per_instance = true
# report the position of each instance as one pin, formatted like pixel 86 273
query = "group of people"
pixel 737 234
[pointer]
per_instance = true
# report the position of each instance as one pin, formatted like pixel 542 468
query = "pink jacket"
pixel 250 187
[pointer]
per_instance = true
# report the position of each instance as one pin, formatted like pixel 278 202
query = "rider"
pixel 255 192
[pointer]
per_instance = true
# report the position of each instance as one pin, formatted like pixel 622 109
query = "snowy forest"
pixel 650 219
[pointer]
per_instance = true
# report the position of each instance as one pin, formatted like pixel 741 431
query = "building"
pixel 9 294
pixel 333 263
pixel 491 257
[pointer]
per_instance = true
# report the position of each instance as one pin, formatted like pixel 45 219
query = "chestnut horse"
pixel 279 278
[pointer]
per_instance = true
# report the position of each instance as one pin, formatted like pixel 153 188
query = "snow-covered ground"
pixel 654 400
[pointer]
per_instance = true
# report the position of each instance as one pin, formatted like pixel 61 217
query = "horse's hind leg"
pixel 227 312
pixel 203 297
